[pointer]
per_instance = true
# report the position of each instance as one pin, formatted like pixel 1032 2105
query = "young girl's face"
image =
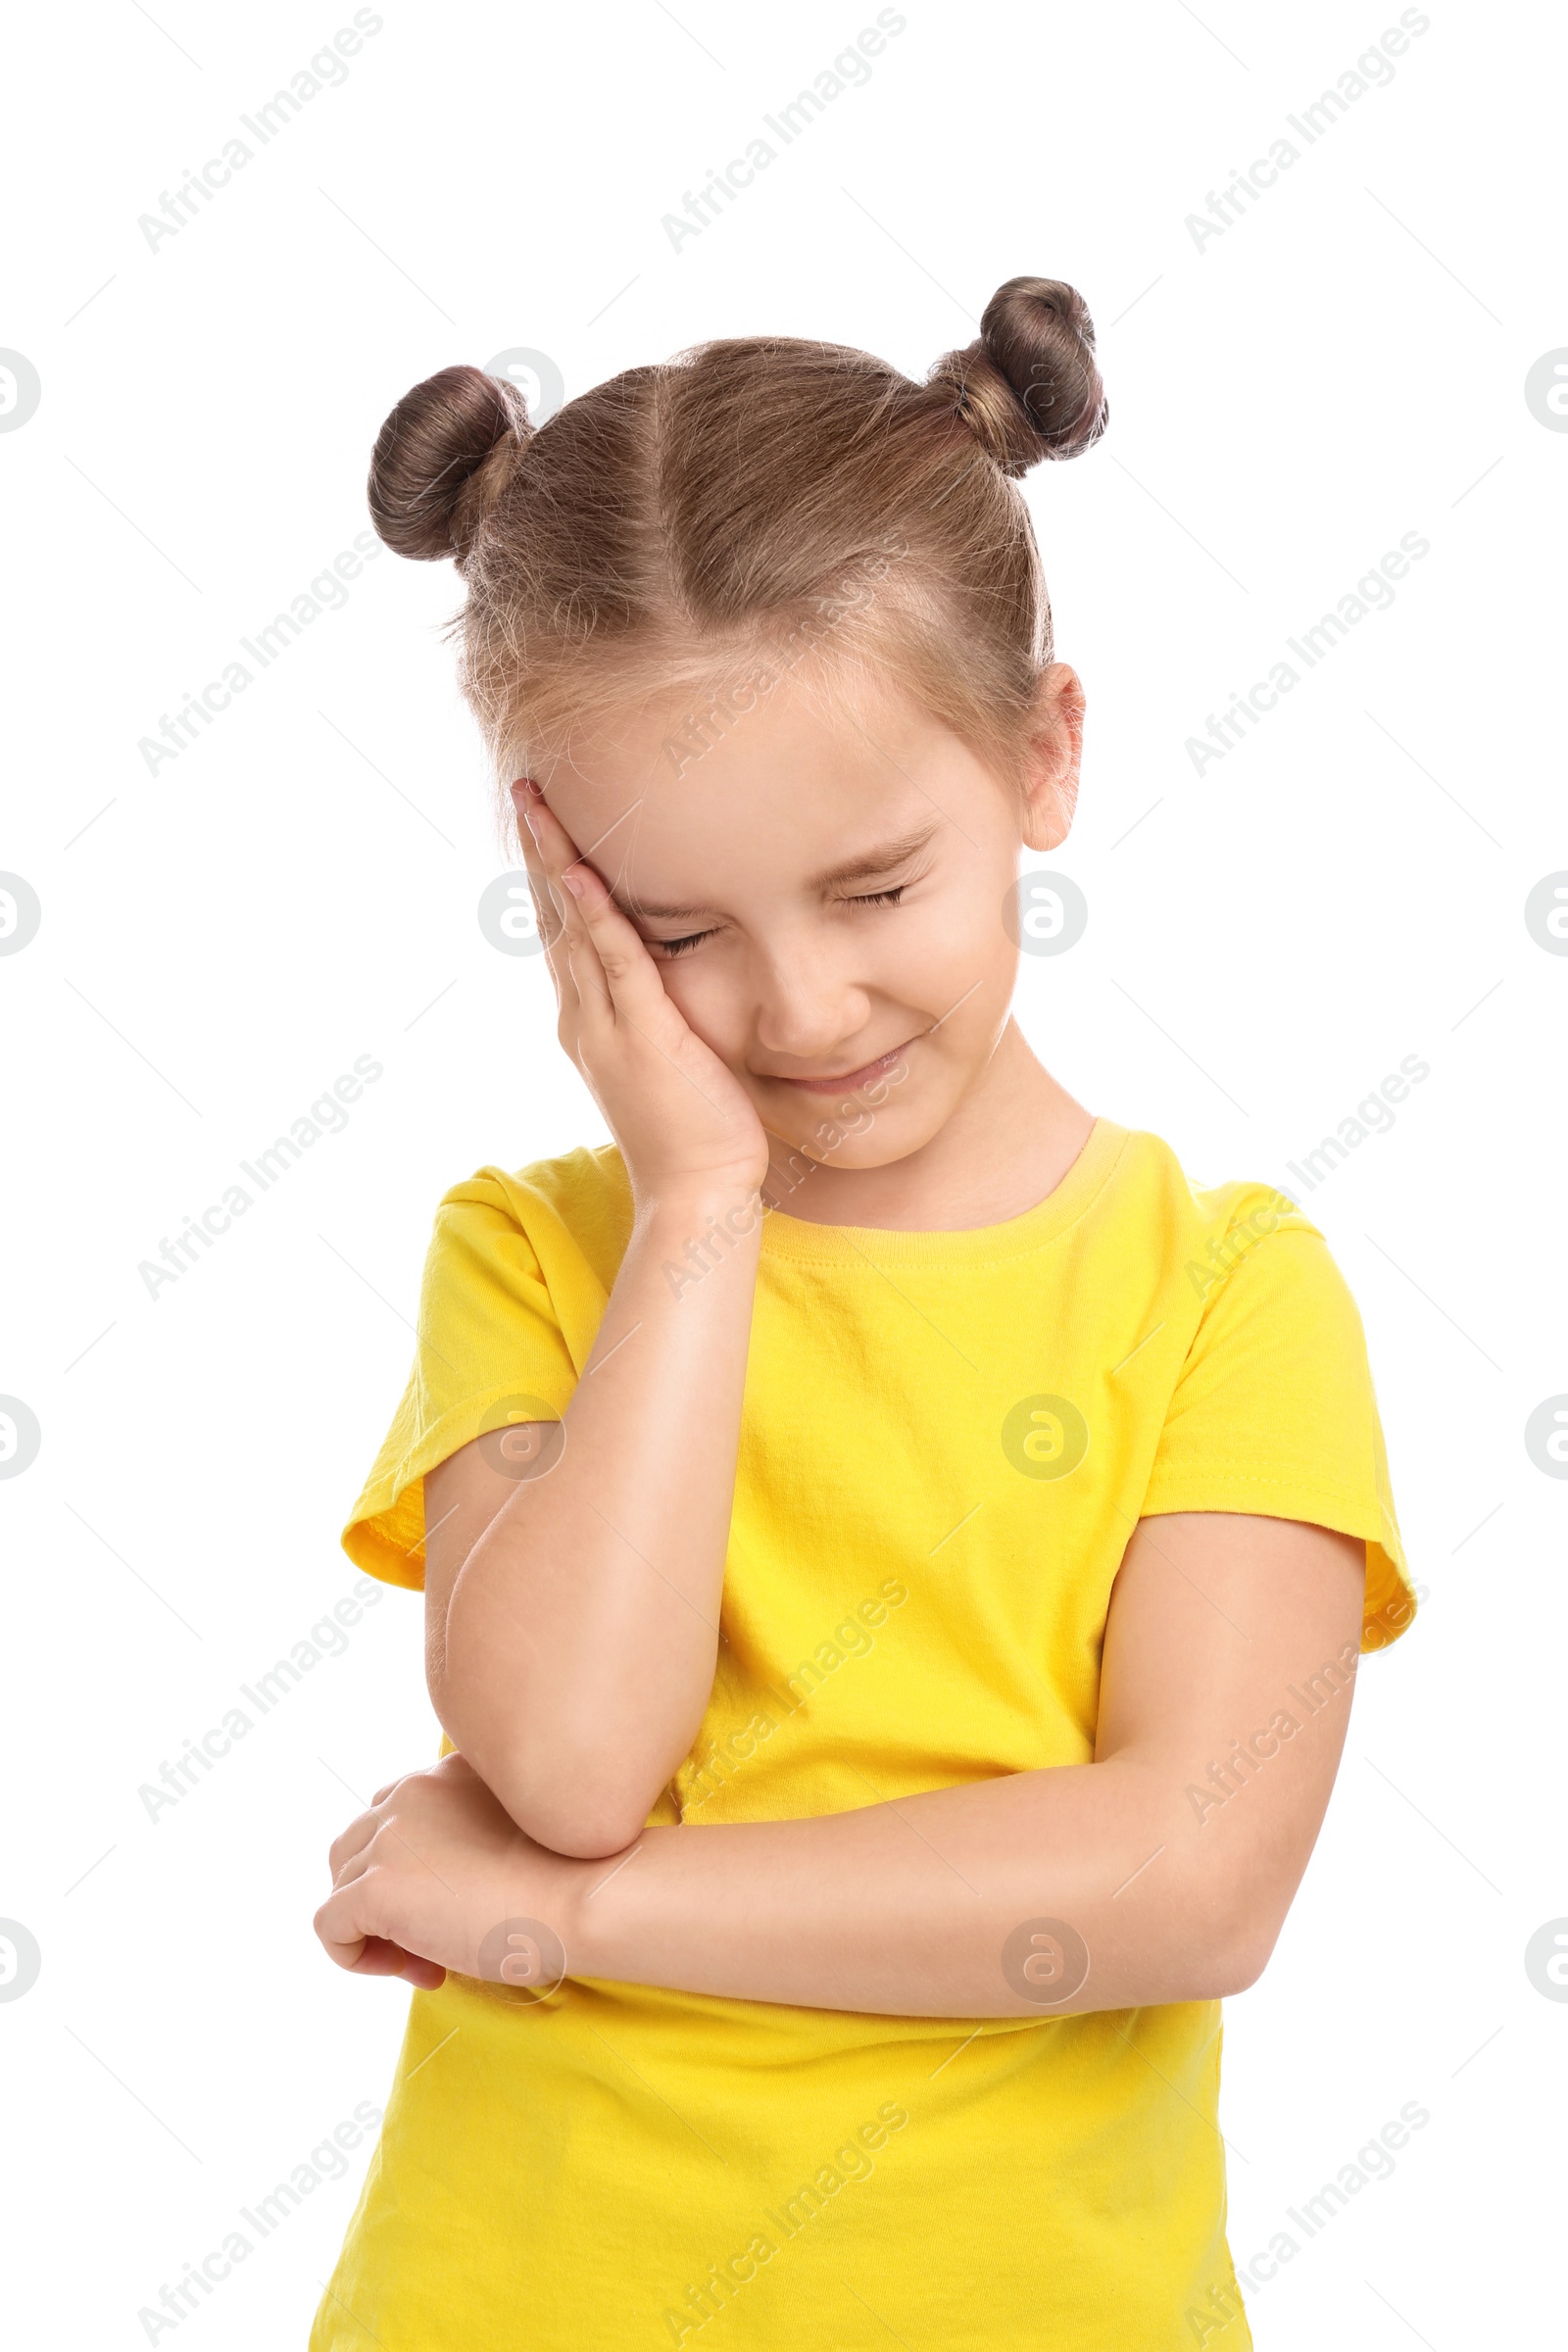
pixel 826 891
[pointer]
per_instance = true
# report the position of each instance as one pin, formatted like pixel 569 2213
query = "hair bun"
pixel 1029 388
pixel 441 460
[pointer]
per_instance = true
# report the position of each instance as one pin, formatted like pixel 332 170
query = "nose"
pixel 809 1006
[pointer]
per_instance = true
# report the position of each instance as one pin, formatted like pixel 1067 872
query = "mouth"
pixel 846 1082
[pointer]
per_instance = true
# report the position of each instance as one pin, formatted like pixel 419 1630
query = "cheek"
pixel 950 950
pixel 710 1000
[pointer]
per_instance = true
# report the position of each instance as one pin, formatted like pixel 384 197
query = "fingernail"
pixel 573 881
pixel 527 818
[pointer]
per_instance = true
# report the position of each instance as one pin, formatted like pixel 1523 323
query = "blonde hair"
pixel 749 499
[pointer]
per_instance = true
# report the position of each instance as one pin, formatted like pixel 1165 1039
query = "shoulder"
pixel 1229 1256
pixel 1270 1404
pixel 575 1205
pixel 1221 1223
pixel 588 1181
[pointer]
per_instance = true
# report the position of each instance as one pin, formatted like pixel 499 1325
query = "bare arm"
pixel 572 1571
pixel 1170 1861
pixel 571 1607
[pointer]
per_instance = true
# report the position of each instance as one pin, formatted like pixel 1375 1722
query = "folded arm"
pixel 1162 1871
pixel 573 1570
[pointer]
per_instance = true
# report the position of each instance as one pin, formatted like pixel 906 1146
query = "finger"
pixel 551 902
pixel 379 1958
pixel 549 917
pixel 553 846
pixel 339 1929
pixel 527 799
pixel 559 856
pixel 354 1866
pixel 630 977
pixel 558 963
pixel 349 1941
pixel 354 1840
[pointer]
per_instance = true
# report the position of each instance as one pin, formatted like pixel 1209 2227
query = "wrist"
pixel 610 1913
pixel 702 1214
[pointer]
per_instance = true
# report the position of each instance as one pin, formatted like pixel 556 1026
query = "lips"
pixel 847 1081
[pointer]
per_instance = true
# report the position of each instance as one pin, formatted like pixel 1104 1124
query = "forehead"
pixel 683 794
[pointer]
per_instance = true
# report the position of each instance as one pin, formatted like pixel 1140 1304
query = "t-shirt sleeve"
pixel 1275 1413
pixel 489 1351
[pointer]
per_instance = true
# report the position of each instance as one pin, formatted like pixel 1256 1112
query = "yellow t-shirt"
pixel 947 1441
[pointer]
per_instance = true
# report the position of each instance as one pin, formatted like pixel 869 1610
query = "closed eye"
pixel 670 948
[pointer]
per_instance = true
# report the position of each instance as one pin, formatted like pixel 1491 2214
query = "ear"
pixel 1056 754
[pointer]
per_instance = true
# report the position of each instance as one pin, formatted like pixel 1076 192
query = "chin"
pixel 888 1138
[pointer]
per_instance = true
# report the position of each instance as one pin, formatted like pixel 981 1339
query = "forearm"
pixel 1154 1874
pixel 931 1906
pixel 580 1635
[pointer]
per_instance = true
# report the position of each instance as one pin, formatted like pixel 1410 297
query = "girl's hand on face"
pixel 434 1869
pixel 683 1121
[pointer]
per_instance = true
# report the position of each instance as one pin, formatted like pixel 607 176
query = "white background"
pixel 219 940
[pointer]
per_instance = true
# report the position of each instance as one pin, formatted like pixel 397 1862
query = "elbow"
pixel 1222 1935
pixel 586 1815
pixel 561 1791
pixel 1239 1963
pixel 562 1783
pixel 1242 1947
pixel 582 1832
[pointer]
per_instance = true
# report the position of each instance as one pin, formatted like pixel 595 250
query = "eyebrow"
pixel 863 868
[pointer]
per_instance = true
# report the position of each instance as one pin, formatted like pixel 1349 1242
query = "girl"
pixel 895 1553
